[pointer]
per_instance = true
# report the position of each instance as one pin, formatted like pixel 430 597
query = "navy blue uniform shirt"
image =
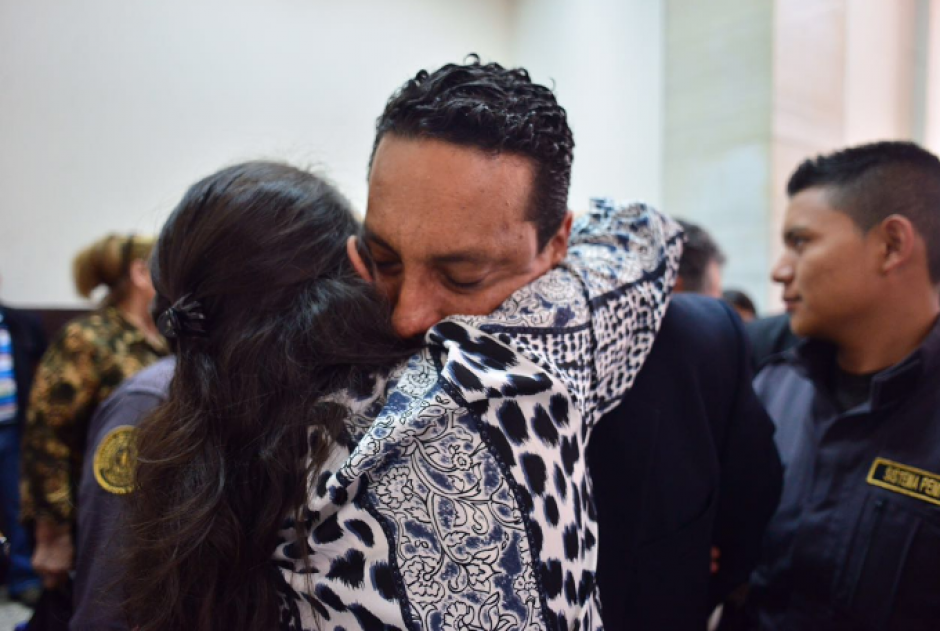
pixel 97 596
pixel 855 543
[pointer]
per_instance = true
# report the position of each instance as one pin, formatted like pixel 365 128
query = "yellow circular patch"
pixel 116 459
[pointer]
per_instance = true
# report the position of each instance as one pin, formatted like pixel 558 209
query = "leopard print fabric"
pixel 461 498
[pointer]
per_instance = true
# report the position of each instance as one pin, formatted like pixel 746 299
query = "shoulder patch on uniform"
pixel 116 460
pixel 906 480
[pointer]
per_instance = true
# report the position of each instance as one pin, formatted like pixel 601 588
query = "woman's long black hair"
pixel 260 249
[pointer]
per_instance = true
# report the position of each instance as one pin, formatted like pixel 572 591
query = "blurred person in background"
pixel 22 343
pixel 702 260
pixel 741 303
pixel 86 361
pixel 855 542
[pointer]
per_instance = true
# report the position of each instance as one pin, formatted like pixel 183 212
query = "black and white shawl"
pixel 463 500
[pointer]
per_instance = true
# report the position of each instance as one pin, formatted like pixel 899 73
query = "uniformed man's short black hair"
pixel 872 182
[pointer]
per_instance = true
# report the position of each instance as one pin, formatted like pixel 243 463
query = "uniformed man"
pixel 855 543
pixel 107 478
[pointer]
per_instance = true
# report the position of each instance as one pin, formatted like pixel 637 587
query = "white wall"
pixel 719 95
pixel 110 108
pixel 605 58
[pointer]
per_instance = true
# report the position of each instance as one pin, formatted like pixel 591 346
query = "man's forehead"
pixel 469 217
pixel 410 175
pixel 449 202
pixel 417 156
pixel 812 211
pixel 810 203
pixel 445 244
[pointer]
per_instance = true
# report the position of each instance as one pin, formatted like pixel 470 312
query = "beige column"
pixel 932 77
pixel 716 131
pixel 843 75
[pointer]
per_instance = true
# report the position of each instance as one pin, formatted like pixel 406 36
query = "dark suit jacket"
pixel 769 337
pixel 29 343
pixel 687 461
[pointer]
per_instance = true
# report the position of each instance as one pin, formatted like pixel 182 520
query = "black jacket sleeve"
pixel 751 477
pixel 686 462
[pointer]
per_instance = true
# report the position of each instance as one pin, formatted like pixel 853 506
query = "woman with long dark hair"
pixel 304 474
pixel 267 319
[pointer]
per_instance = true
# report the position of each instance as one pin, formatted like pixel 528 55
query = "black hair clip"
pixel 183 319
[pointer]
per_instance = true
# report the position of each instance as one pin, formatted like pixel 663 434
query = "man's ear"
pixel 558 245
pixel 358 262
pixel 899 242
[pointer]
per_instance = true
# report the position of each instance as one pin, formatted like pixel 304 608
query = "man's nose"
pixel 783 270
pixel 415 311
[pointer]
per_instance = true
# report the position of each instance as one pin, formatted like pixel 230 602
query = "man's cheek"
pixel 484 302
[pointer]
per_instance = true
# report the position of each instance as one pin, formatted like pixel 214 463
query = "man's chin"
pixel 803 326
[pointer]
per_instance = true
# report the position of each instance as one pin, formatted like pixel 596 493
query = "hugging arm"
pixel 591 321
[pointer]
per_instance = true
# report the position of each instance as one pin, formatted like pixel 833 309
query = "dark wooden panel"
pixel 54 319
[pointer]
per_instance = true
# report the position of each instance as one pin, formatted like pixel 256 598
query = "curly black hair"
pixel 496 110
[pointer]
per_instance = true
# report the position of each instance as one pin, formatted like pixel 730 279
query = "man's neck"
pixel 888 339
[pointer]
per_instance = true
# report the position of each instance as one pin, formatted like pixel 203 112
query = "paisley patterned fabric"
pixel 462 500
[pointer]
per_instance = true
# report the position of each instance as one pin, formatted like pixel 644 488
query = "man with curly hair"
pixel 468 191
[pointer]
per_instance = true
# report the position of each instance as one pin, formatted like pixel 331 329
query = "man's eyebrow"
pixel 371 237
pixel 450 258
pixel 461 256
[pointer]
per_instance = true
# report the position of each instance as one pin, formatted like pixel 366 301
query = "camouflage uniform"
pixel 87 361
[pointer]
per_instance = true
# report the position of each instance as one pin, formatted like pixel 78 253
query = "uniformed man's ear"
pixel 358 261
pixel 899 242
